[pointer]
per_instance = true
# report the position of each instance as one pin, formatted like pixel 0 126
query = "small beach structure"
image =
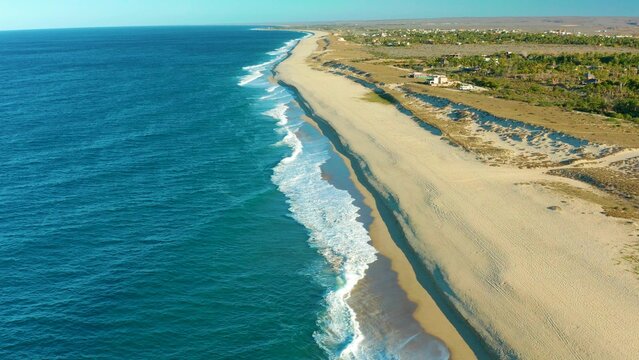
pixel 430 79
pixel 438 80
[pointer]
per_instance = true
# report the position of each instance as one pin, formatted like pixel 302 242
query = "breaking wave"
pixel 328 213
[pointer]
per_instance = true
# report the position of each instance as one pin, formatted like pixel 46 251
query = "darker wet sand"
pixel 396 285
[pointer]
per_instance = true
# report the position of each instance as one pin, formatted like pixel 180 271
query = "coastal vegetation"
pixel 606 84
pixel 374 97
pixel 593 73
pixel 407 37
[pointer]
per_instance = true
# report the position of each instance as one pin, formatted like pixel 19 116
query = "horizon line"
pixel 313 22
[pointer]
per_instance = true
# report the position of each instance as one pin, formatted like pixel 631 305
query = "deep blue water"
pixel 138 212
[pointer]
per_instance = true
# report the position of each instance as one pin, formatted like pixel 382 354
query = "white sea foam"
pixel 285 48
pixel 279 113
pixel 250 78
pixel 329 215
pixel 276 95
pixel 259 70
pixel 259 67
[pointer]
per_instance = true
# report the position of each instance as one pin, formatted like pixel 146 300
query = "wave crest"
pixel 328 213
pixel 259 70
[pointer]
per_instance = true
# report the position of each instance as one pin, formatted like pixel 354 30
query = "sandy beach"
pixel 537 274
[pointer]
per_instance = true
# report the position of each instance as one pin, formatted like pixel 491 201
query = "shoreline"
pixel 481 261
pixel 388 239
pixel 394 330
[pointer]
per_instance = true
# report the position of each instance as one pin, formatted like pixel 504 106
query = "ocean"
pixel 163 197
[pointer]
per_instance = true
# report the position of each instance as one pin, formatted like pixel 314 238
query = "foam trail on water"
pixel 279 113
pixel 331 218
pixel 275 95
pixel 257 71
pixel 327 212
pixel 250 78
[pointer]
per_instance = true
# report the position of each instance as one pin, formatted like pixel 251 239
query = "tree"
pixel 627 107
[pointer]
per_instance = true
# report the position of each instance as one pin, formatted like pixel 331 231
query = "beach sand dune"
pixel 535 273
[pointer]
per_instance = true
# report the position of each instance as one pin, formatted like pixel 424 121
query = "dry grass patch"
pixel 611 205
pixel 374 98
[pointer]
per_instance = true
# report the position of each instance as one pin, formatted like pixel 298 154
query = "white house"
pixel 439 80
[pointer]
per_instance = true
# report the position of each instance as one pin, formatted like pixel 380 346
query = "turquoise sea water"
pixel 162 197
pixel 151 203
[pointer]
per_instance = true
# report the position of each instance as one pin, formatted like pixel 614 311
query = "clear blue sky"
pixel 28 14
